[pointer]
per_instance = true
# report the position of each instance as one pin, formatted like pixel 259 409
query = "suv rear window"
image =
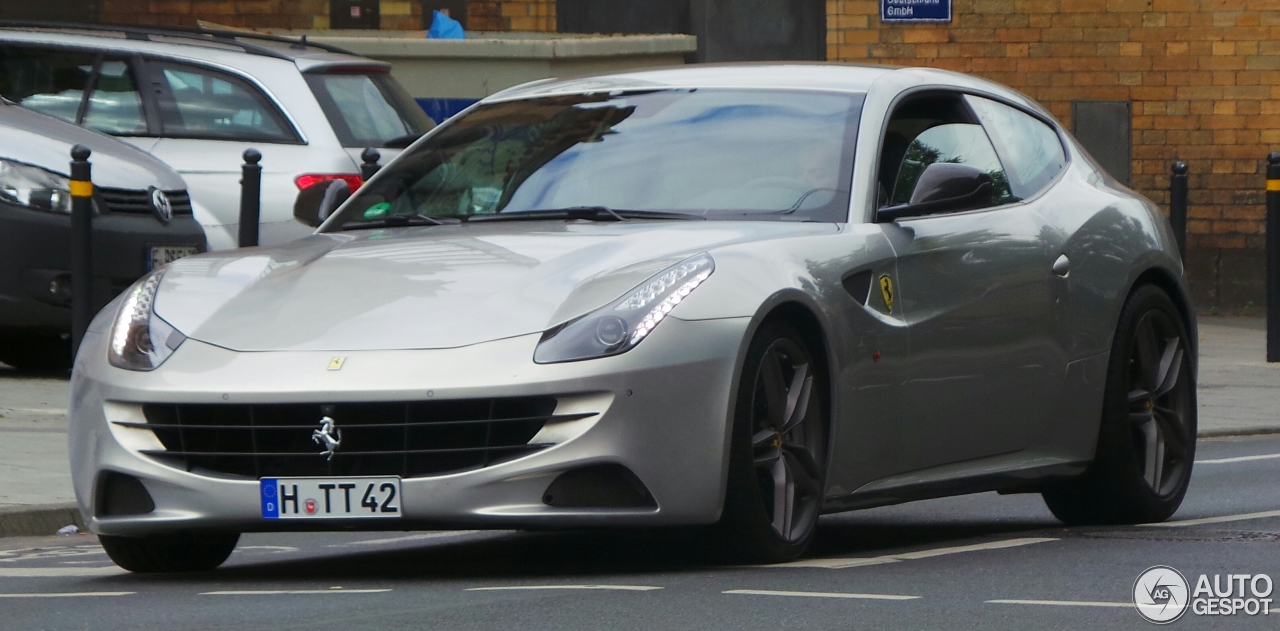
pixel 197 102
pixel 369 109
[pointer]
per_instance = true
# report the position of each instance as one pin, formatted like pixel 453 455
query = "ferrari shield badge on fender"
pixel 336 363
pixel 886 291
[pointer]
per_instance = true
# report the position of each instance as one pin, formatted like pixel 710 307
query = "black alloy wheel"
pixel 1158 398
pixel 777 463
pixel 1146 442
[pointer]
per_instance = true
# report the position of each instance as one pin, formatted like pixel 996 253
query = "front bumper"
pixel 662 411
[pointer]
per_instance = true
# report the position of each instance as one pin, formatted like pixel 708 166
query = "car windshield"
pixel 713 153
pixel 369 109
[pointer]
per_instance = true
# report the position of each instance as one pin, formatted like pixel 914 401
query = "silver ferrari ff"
pixel 729 297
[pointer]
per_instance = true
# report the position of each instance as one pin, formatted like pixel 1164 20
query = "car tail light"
pixel 310 179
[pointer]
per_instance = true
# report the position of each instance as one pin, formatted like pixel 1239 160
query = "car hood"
pixel 430 287
pixel 45 142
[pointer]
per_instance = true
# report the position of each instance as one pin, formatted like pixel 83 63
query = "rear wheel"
pixel 170 552
pixel 777 462
pixel 1146 444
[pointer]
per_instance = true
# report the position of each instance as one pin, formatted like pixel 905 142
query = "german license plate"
pixel 162 255
pixel 330 498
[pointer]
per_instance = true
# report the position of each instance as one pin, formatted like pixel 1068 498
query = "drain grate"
pixel 1168 534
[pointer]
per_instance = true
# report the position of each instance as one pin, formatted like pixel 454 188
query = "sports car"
pixel 731 298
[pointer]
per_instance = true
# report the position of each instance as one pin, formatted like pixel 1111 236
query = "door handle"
pixel 1062 266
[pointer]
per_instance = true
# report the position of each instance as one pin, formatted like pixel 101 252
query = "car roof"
pixel 827 76
pixel 214 45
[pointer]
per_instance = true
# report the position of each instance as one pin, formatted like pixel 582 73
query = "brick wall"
pixel 512 15
pixel 1199 74
pixel 406 15
pixel 300 14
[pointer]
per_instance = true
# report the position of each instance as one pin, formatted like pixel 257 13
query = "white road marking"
pixel 268 548
pixel 51 572
pixel 62 411
pixel 425 535
pixel 842 563
pixel 273 592
pixel 66 594
pixel 624 588
pixel 768 592
pixel 1239 459
pixel 1214 520
pixel 1061 603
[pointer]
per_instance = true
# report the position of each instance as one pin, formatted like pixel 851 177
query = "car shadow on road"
pixel 583 555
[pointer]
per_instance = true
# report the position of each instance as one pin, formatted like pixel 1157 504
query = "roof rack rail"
pixel 197 34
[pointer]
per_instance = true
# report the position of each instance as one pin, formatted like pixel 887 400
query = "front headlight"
pixel 33 187
pixel 140 340
pixel 619 326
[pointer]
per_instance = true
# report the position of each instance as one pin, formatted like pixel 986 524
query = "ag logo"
pixel 1161 594
pixel 886 292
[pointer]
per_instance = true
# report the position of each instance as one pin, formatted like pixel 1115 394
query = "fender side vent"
pixel 119 494
pixel 858 285
pixel 598 486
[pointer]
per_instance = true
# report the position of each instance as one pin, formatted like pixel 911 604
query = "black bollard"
pixel 370 156
pixel 1273 257
pixel 1178 206
pixel 81 245
pixel 250 198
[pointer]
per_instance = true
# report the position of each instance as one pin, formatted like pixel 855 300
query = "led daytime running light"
pixel 135 315
pixel 660 311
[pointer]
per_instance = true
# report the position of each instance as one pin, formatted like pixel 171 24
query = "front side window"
pixel 955 143
pixel 1029 148
pixel 115 106
pixel 203 103
pixel 369 109
pixel 49 81
pixel 718 154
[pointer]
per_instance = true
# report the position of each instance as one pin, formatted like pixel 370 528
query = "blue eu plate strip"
pixel 270 503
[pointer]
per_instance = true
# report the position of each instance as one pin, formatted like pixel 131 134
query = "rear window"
pixel 369 109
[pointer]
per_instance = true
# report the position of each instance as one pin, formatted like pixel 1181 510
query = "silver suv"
pixel 196 99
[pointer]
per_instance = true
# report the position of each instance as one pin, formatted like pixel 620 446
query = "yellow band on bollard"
pixel 82 188
pixel 1273 185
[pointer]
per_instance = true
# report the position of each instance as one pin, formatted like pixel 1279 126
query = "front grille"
pixel 408 439
pixel 119 200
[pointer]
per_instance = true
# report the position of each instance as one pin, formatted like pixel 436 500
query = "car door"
pixel 207 119
pixel 976 290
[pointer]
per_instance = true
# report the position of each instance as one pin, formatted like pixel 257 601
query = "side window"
pixel 115 106
pixel 47 80
pixel 954 143
pixel 203 103
pixel 1030 148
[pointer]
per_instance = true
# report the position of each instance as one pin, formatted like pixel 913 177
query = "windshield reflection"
pixel 782 154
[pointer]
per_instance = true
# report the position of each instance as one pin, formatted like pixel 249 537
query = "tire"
pixel 38 353
pixel 1146 442
pixel 778 451
pixel 170 552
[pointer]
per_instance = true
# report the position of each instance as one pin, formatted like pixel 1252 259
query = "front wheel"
pixel 170 552
pixel 1147 441
pixel 778 451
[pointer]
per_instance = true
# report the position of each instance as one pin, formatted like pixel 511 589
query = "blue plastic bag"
pixel 445 27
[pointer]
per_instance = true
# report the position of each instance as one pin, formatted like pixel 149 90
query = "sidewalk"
pixel 1239 394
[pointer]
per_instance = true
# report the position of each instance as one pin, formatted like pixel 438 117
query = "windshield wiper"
pixel 394 221
pixel 590 213
pixel 400 142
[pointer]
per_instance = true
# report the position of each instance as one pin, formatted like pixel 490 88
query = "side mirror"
pixel 942 187
pixel 316 202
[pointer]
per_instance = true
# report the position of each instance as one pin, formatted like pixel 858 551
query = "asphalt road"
pixel 927 565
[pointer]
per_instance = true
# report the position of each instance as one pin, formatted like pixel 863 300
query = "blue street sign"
pixel 915 10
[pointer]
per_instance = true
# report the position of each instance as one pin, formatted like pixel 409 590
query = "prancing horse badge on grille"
pixel 328 436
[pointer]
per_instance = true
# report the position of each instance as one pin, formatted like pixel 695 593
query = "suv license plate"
pixel 330 498
pixel 162 255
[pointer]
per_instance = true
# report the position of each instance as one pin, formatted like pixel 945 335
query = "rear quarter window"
pixel 368 109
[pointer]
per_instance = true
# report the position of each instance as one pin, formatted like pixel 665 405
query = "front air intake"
pixel 119 495
pixel 598 486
